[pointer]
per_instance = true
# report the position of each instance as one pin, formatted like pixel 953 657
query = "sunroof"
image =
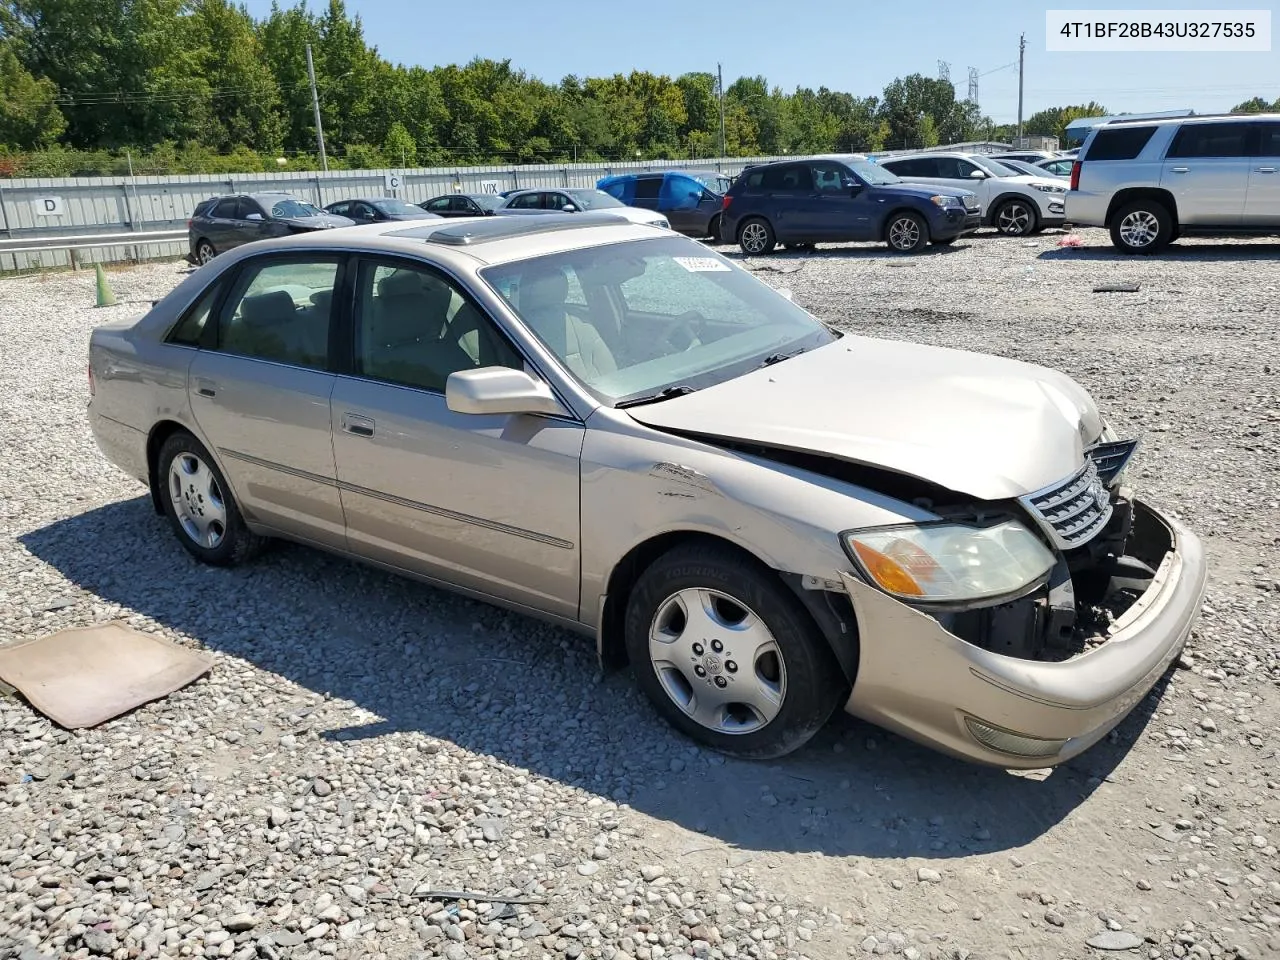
pixel 502 226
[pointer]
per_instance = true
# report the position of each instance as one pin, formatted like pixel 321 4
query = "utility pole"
pixel 315 102
pixel 720 88
pixel 1022 51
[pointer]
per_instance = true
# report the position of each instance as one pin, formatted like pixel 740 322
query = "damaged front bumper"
pixel 917 679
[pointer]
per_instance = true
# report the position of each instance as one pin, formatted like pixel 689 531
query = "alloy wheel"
pixel 717 661
pixel 754 237
pixel 197 500
pixel 1139 229
pixel 904 234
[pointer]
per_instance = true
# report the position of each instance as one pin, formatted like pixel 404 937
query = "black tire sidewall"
pixel 237 540
pixel 815 685
pixel 771 239
pixel 713 228
pixel 919 221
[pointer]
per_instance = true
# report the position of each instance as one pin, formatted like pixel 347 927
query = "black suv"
pixel 840 200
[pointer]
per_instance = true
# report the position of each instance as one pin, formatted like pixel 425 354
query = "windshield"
pixel 995 167
pixel 395 208
pixel 872 173
pixel 291 209
pixel 488 201
pixel 594 199
pixel 632 319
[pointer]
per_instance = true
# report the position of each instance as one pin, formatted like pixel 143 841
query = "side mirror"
pixel 254 217
pixel 498 390
pixel 977 175
pixel 568 208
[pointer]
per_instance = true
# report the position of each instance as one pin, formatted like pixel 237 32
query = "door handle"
pixel 359 426
pixel 1266 169
pixel 206 388
pixel 1181 169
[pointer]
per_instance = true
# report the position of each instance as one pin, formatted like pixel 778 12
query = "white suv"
pixel 1014 203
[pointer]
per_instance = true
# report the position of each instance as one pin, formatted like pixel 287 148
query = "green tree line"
pixel 184 86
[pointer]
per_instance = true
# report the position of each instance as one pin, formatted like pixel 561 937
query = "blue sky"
pixel 853 46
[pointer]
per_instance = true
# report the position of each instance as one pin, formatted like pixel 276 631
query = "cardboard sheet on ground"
pixel 87 675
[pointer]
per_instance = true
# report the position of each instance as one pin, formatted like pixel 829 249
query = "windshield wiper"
pixel 779 357
pixel 665 394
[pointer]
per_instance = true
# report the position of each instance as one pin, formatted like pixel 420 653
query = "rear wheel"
pixel 199 504
pixel 756 237
pixel 1144 226
pixel 713 229
pixel 205 252
pixel 1016 218
pixel 906 232
pixel 727 655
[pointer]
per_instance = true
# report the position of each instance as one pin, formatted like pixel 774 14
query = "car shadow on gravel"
pixel 505 686
pixel 1207 252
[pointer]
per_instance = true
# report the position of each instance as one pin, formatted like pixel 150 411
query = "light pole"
pixel 315 102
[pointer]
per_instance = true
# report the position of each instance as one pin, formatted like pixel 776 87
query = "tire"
pixel 944 241
pixel 756 237
pixel 205 252
pixel 1142 227
pixel 1016 218
pixel 795 684
pixel 199 504
pixel 906 232
pixel 713 229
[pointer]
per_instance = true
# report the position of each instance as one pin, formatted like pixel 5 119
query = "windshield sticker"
pixel 702 264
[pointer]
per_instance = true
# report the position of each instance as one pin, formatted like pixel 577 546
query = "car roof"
pixel 365 200
pixel 1198 118
pixel 477 241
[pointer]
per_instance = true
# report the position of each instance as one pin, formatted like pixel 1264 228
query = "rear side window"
pixel 794 177
pixel 1211 140
pixel 1118 143
pixel 188 330
pixel 648 188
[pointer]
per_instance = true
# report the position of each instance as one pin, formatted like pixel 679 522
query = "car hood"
pixel 980 425
pixel 323 222
pixel 924 190
pixel 1028 180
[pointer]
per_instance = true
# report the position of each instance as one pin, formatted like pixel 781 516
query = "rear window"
pixel 1118 143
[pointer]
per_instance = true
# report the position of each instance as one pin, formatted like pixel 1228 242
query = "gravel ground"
pixel 377 769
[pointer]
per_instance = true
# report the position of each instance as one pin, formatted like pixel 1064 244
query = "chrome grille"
pixel 1110 458
pixel 1073 511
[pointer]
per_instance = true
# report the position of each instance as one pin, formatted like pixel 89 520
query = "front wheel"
pixel 199 504
pixel 727 656
pixel 907 232
pixel 1016 218
pixel 1144 226
pixel 756 237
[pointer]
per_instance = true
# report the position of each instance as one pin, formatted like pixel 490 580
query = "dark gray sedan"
pixel 220 223
pixel 379 210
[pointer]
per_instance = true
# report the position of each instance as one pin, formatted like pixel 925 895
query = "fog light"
pixel 1016 744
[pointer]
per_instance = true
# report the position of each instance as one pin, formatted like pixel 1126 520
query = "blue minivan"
pixel 691 200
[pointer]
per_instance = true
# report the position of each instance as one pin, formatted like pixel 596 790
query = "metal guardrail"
pixel 91 240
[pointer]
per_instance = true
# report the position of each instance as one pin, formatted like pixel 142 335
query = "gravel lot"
pixel 372 764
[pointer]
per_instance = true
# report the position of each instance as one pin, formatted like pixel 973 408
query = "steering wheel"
pixel 683 325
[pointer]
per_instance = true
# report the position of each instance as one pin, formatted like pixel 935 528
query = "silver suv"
pixel 1150 181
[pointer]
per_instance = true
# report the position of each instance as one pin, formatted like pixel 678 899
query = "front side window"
pixel 279 310
pixel 527 201
pixel 657 313
pixel 414 327
pixel 225 209
pixel 393 207
pixel 831 178
pixel 440 204
pixel 594 200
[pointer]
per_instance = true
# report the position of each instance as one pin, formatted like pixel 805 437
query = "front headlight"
pixel 1049 188
pixel 942 201
pixel 947 562
pixel 664 224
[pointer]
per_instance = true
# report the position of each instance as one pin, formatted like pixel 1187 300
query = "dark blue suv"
pixel 841 200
